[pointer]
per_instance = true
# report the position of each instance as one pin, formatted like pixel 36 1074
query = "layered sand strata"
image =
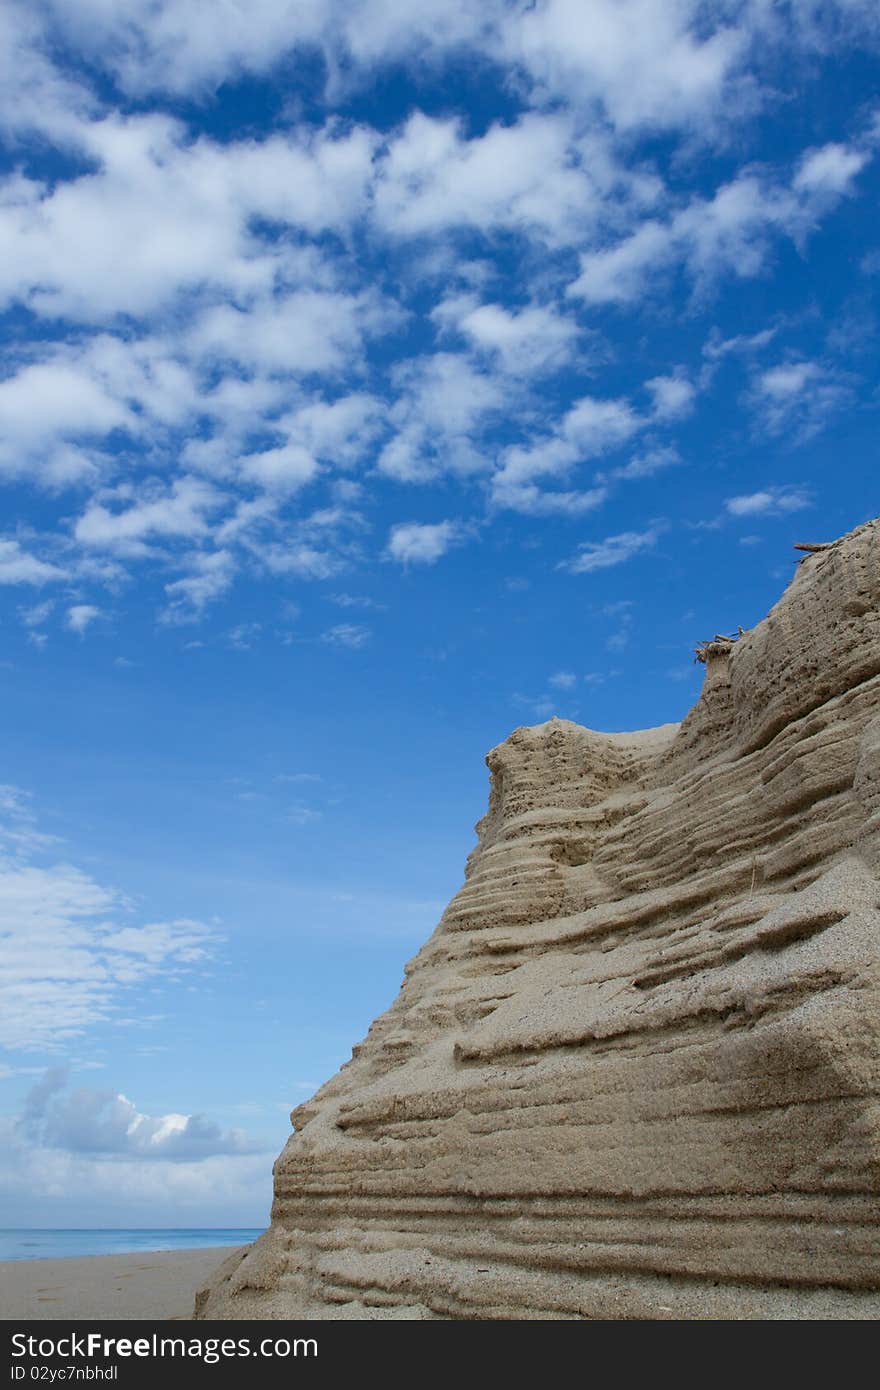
pixel 634 1072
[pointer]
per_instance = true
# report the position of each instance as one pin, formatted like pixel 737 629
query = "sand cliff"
pixel 634 1072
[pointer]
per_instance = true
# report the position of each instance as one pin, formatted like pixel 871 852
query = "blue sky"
pixel 376 378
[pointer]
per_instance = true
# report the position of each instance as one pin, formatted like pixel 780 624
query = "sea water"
pixel 53 1245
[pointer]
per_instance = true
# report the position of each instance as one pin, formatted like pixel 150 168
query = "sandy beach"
pixel 142 1286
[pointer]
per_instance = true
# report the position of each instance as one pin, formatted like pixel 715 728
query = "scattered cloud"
pixel 798 397
pixel 80 616
pixel 354 601
pixel 563 680
pixel 68 963
pixel 591 427
pixel 770 501
pixel 674 396
pixel 614 550
pixel 351 635
pixel 37 614
pixel 180 511
pixel 646 464
pixel 270 315
pixel 526 341
pixel 243 636
pixel 422 543
pixel 18 566
pixel 211 575
pixel 730 233
pixel 444 403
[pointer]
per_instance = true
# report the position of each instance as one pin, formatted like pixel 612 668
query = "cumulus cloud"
pixel 829 170
pixel 18 566
pixel 81 615
pixel 86 1121
pixel 728 234
pixel 422 543
pixel 523 176
pixel 641 62
pixel 769 501
pixel 76 1148
pixel 534 339
pixel 181 511
pixel 444 403
pixel 266 311
pixel 673 395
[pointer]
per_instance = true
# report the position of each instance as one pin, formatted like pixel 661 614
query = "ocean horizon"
pixel 54 1244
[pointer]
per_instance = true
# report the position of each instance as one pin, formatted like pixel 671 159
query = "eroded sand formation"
pixel 634 1072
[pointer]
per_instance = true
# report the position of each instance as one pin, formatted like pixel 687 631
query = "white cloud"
pixel 76 1148
pixel 339 432
pixel 590 428
pixel 37 614
pixel 531 500
pixel 781 383
pixel 563 680
pixel 87 1121
pixel 67 963
pixel 798 397
pixel 674 396
pixel 285 469
pixel 729 233
pixel 644 60
pixel 211 575
pixel 422 543
pixel 529 176
pixel 305 332
pixel 18 566
pixel 34 94
pixel 210 306
pixel 179 512
pixel 243 636
pixel 444 402
pixel 525 341
pixel 81 615
pixel 770 501
pixel 354 601
pixel 614 550
pixel 617 275
pixel 51 403
pixel 175 216
pixel 718 347
pixel 352 635
pixel 829 170
pixel 647 463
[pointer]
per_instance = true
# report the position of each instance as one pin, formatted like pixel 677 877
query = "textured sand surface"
pixel 160 1285
pixel 634 1072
